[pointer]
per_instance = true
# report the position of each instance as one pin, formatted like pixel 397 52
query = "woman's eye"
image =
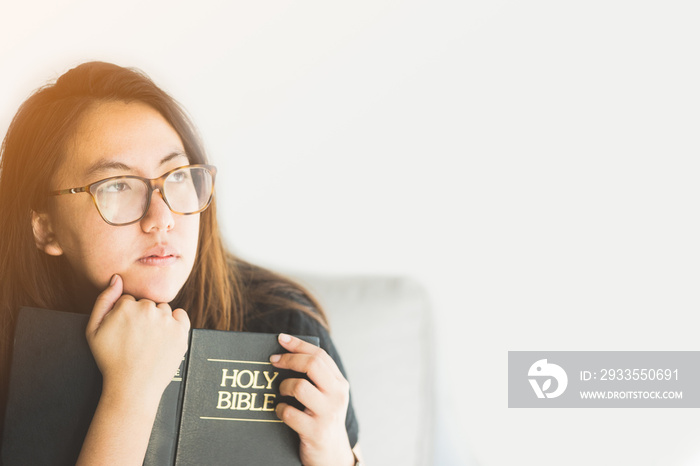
pixel 178 177
pixel 117 187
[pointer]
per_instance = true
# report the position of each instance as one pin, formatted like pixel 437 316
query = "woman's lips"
pixel 159 255
pixel 158 260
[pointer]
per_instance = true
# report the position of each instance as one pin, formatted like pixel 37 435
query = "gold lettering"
pixel 250 379
pixel 224 397
pixel 269 380
pixel 253 408
pixel 243 400
pixel 269 400
pixel 255 384
pixel 224 376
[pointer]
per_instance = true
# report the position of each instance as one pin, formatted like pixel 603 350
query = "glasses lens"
pixel 121 200
pixel 189 189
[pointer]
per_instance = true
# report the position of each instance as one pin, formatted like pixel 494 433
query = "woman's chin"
pixel 156 294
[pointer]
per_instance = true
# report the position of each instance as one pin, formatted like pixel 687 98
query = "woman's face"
pixel 155 255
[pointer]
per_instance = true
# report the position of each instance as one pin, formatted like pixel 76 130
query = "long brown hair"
pixel 222 291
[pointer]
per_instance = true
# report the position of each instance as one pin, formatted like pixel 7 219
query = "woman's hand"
pixel 321 426
pixel 138 345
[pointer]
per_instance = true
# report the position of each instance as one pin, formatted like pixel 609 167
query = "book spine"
pixel 162 444
pixel 181 395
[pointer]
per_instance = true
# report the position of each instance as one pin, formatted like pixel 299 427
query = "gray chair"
pixel 382 328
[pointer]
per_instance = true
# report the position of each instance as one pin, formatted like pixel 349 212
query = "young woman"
pixel 107 208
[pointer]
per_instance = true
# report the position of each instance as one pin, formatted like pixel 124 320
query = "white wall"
pixel 535 164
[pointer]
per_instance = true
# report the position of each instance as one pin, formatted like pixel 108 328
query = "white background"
pixel 533 163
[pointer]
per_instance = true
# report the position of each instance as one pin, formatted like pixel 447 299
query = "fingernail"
pixel 274 358
pixel 284 338
pixel 114 280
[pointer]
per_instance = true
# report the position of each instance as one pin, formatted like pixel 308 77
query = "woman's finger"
pixel 306 393
pixel 298 346
pixel 313 365
pixel 181 316
pixel 302 423
pixel 104 303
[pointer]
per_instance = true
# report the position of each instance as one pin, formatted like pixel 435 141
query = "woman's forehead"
pixel 120 138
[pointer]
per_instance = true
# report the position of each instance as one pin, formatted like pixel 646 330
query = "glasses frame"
pixel 152 183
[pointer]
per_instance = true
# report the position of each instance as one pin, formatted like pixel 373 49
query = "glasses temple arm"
pixel 69 191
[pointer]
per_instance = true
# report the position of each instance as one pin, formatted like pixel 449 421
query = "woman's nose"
pixel 159 216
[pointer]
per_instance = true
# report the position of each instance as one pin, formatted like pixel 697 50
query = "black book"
pixel 218 408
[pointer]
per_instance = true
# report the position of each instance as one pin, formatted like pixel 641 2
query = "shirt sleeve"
pixel 296 322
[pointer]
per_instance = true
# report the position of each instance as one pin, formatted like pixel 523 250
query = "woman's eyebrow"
pixel 103 165
pixel 173 155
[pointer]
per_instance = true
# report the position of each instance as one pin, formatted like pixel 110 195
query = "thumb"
pixel 104 303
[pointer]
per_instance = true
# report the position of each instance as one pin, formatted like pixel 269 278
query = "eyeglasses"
pixel 123 200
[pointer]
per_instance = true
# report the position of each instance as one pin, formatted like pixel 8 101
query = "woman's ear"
pixel 44 236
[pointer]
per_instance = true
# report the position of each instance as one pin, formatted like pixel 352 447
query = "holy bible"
pixel 219 407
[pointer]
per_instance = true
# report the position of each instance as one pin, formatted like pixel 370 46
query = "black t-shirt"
pixel 296 322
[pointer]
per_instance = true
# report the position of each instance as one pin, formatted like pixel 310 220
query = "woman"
pixel 106 200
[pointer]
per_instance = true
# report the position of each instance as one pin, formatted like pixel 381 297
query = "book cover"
pixel 218 409
pixel 230 393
